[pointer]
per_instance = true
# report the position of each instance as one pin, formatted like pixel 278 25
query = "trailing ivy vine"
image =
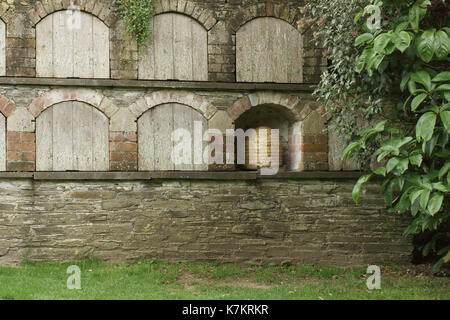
pixel 137 15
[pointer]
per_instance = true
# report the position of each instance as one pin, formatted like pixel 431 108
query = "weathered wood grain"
pixel 72 136
pixel 2 48
pixel 178 49
pixel 2 142
pixel 65 51
pixel 269 50
pixel 155 128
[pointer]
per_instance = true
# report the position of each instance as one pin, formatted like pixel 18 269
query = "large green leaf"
pixel 442 77
pixel 392 163
pixel 426 45
pixel 444 170
pixel 423 78
pixel 435 203
pixel 445 117
pixel 424 199
pixel 366 37
pixel 381 42
pixel 416 160
pixel 416 13
pixel 417 101
pixel 441 44
pixel 357 189
pixel 402 40
pixel 425 126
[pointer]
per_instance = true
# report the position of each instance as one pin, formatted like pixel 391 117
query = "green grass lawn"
pixel 157 280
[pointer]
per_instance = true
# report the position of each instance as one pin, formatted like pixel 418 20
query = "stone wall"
pixel 249 221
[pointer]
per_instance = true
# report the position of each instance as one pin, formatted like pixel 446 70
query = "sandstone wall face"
pixel 303 215
pixel 243 221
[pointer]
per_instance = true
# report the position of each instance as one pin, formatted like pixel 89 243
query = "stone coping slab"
pixel 200 85
pixel 238 175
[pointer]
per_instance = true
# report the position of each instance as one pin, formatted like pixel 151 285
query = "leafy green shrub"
pixel 414 153
pixel 137 15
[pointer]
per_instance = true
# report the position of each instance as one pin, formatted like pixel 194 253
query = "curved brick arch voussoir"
pixel 268 9
pixel 91 97
pixel 203 16
pixel 7 106
pixel 99 8
pixel 158 98
pixel 286 101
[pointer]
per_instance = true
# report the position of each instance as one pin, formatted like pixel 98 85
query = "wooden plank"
pixel 44 47
pixel 44 141
pixel 63 40
pixel 2 48
pixel 244 57
pixel 83 47
pixel 163 128
pixel 100 50
pixel 62 137
pixel 183 41
pixel 146 149
pixel 163 41
pixel 2 142
pixel 197 116
pixel 100 140
pixel 183 119
pixel 178 49
pixel 146 69
pixel 269 50
pixel 83 152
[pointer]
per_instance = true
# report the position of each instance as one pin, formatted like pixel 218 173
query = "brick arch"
pixel 191 9
pixel 91 97
pixel 7 106
pixel 286 101
pixel 158 98
pixel 100 9
pixel 267 9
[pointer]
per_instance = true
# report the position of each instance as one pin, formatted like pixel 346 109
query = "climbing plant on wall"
pixel 137 15
pixel 414 155
pixel 352 98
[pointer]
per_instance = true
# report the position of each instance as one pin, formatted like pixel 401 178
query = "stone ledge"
pixel 201 85
pixel 172 175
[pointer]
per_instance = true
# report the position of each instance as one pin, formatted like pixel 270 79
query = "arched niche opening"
pixel 72 136
pixel 155 131
pixel 275 117
pixel 72 44
pixel 269 50
pixel 177 49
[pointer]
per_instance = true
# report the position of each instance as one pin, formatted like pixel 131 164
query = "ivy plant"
pixel 413 156
pixel 137 15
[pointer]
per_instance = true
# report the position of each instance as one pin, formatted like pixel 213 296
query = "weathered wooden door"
pixel 2 48
pixel 155 129
pixel 72 136
pixel 2 142
pixel 68 48
pixel 269 50
pixel 178 49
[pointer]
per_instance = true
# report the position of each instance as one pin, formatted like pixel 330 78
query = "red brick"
pixel 315 148
pixel 21 146
pixel 123 147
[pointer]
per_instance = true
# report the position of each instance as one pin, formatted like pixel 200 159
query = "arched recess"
pixel 72 136
pixel 269 50
pixel 155 128
pixel 2 142
pixel 72 45
pixel 177 49
pixel 2 48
